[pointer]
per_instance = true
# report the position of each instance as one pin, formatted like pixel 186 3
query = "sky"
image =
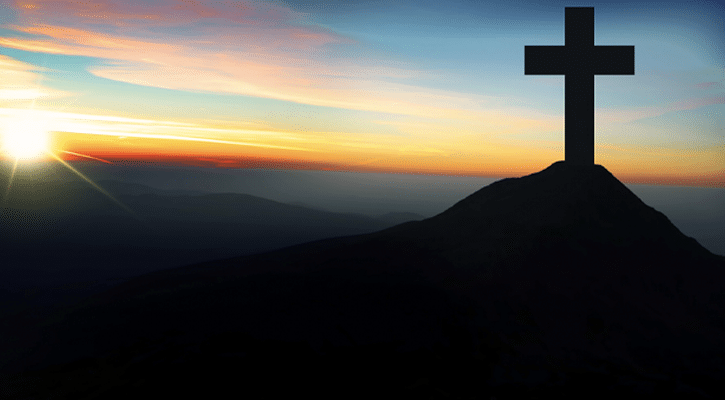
pixel 414 87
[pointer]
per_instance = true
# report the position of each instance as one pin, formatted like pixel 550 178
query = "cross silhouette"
pixel 579 60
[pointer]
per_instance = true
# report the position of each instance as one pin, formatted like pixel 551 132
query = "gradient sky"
pixel 389 86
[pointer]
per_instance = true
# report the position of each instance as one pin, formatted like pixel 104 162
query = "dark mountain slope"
pixel 558 283
pixel 53 229
pixel 63 241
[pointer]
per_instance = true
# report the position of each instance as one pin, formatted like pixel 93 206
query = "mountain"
pixel 129 188
pixel 396 218
pixel 137 223
pixel 560 283
pixel 63 241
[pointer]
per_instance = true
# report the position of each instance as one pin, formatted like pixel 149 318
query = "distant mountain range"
pixel 561 283
pixel 62 241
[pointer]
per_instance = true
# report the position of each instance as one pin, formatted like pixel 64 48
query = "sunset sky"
pixel 434 87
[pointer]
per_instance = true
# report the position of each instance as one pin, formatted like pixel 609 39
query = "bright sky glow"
pixel 25 138
pixel 403 86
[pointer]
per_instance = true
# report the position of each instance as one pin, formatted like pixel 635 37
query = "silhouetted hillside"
pixel 73 221
pixel 558 283
pixel 400 217
pixel 127 188
pixel 62 241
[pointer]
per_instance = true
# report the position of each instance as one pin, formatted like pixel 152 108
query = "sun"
pixel 25 138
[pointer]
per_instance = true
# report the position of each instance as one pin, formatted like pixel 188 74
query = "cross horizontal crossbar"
pixel 557 60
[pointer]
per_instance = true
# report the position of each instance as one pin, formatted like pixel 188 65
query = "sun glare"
pixel 25 138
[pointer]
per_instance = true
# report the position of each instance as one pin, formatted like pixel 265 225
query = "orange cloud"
pixel 276 75
pixel 170 12
pixel 113 139
pixel 257 24
pixel 231 52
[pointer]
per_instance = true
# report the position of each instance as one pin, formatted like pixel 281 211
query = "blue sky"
pixel 387 86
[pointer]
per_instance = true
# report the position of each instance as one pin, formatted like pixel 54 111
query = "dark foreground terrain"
pixel 558 283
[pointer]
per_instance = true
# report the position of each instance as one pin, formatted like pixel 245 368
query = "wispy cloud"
pixel 122 128
pixel 22 81
pixel 168 12
pixel 710 85
pixel 246 48
pixel 278 75
pixel 343 144
pixel 636 113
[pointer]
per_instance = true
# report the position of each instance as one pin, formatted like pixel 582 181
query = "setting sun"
pixel 25 138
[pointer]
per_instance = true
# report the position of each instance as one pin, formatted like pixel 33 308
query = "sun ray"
pixel 10 181
pixel 86 156
pixel 95 186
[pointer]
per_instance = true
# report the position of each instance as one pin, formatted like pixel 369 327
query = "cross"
pixel 579 60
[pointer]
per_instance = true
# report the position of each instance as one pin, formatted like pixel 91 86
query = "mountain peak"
pixel 564 214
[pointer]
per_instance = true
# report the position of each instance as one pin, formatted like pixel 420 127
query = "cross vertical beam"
pixel 579 60
pixel 579 86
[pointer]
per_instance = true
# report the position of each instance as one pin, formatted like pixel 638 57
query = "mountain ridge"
pixel 544 284
pixel 63 241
